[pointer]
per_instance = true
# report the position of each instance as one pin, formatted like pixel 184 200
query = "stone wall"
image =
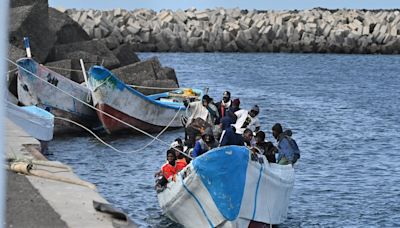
pixel 234 30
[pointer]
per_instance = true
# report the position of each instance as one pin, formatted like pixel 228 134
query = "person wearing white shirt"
pixel 248 119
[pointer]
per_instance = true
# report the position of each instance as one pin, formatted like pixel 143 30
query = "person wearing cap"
pixel 248 119
pixel 181 162
pixel 206 143
pixel 224 105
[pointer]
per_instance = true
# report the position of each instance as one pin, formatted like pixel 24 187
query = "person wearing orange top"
pixel 181 161
pixel 168 169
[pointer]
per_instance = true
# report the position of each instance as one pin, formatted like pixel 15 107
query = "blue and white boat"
pixel 35 121
pixel 149 113
pixel 229 187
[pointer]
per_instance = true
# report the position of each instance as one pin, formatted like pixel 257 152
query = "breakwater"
pixel 234 30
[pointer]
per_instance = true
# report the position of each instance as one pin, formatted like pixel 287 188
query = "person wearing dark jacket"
pixel 266 148
pixel 224 105
pixel 206 143
pixel 229 135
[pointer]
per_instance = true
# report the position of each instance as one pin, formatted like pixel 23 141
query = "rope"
pixel 115 149
pixel 91 106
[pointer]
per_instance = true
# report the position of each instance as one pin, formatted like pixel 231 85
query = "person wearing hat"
pixel 224 105
pixel 181 162
pixel 248 119
pixel 206 143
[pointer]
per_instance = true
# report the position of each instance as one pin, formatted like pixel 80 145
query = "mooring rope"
pixel 91 106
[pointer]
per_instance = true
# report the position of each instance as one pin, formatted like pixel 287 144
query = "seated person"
pixel 206 143
pixel 287 147
pixel 181 161
pixel 168 169
pixel 248 138
pixel 229 135
pixel 266 148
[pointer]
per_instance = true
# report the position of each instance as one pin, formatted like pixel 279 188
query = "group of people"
pixel 224 123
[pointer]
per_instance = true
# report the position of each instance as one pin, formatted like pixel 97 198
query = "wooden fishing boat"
pixel 149 113
pixel 229 187
pixel 36 90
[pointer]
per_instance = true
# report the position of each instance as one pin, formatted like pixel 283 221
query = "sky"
pixel 242 4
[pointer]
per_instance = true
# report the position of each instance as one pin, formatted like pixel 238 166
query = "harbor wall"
pixel 234 30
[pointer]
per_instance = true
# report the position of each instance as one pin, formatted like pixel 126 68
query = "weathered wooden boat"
pixel 229 187
pixel 35 121
pixel 34 91
pixel 149 113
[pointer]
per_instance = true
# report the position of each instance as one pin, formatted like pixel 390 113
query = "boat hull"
pixel 226 187
pixel 33 91
pixel 112 96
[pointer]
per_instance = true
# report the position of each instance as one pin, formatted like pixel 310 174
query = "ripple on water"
pixel 346 125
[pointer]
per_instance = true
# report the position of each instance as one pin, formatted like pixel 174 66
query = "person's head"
pixel 236 103
pixel 248 135
pixel 226 122
pixel 177 145
pixel 171 156
pixel 226 96
pixel 254 111
pixel 206 100
pixel 276 130
pixel 260 137
pixel 208 136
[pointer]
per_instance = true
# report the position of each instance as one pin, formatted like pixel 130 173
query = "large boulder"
pixel 14 54
pixel 93 47
pixel 126 54
pixel 62 67
pixel 31 21
pixel 64 28
pixel 18 3
pixel 147 73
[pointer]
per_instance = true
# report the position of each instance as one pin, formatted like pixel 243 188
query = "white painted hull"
pixel 198 200
pixel 114 97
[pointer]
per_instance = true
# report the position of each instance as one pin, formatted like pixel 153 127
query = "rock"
pixel 18 3
pixel 94 47
pixel 126 54
pixel 14 54
pixel 65 29
pixel 31 21
pixel 111 42
pixel 135 74
pixel 63 67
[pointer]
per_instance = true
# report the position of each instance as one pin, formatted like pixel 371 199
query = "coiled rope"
pixel 101 111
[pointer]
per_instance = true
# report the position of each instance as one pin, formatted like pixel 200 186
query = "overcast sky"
pixel 243 4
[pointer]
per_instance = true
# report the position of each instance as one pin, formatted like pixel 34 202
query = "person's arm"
pixel 196 150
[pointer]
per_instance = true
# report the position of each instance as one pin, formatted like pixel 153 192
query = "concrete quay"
pixel 34 201
pixel 234 30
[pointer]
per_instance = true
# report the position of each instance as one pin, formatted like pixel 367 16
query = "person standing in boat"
pixel 248 119
pixel 288 151
pixel 229 135
pixel 206 143
pixel 223 106
pixel 202 116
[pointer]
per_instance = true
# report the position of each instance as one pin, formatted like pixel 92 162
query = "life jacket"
pixel 180 164
pixel 168 170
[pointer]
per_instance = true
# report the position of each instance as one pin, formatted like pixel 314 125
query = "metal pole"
pixel 4 5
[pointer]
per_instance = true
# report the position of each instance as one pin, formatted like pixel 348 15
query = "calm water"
pixel 343 109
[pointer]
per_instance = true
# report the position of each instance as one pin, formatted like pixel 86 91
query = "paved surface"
pixel 26 207
pixel 39 202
